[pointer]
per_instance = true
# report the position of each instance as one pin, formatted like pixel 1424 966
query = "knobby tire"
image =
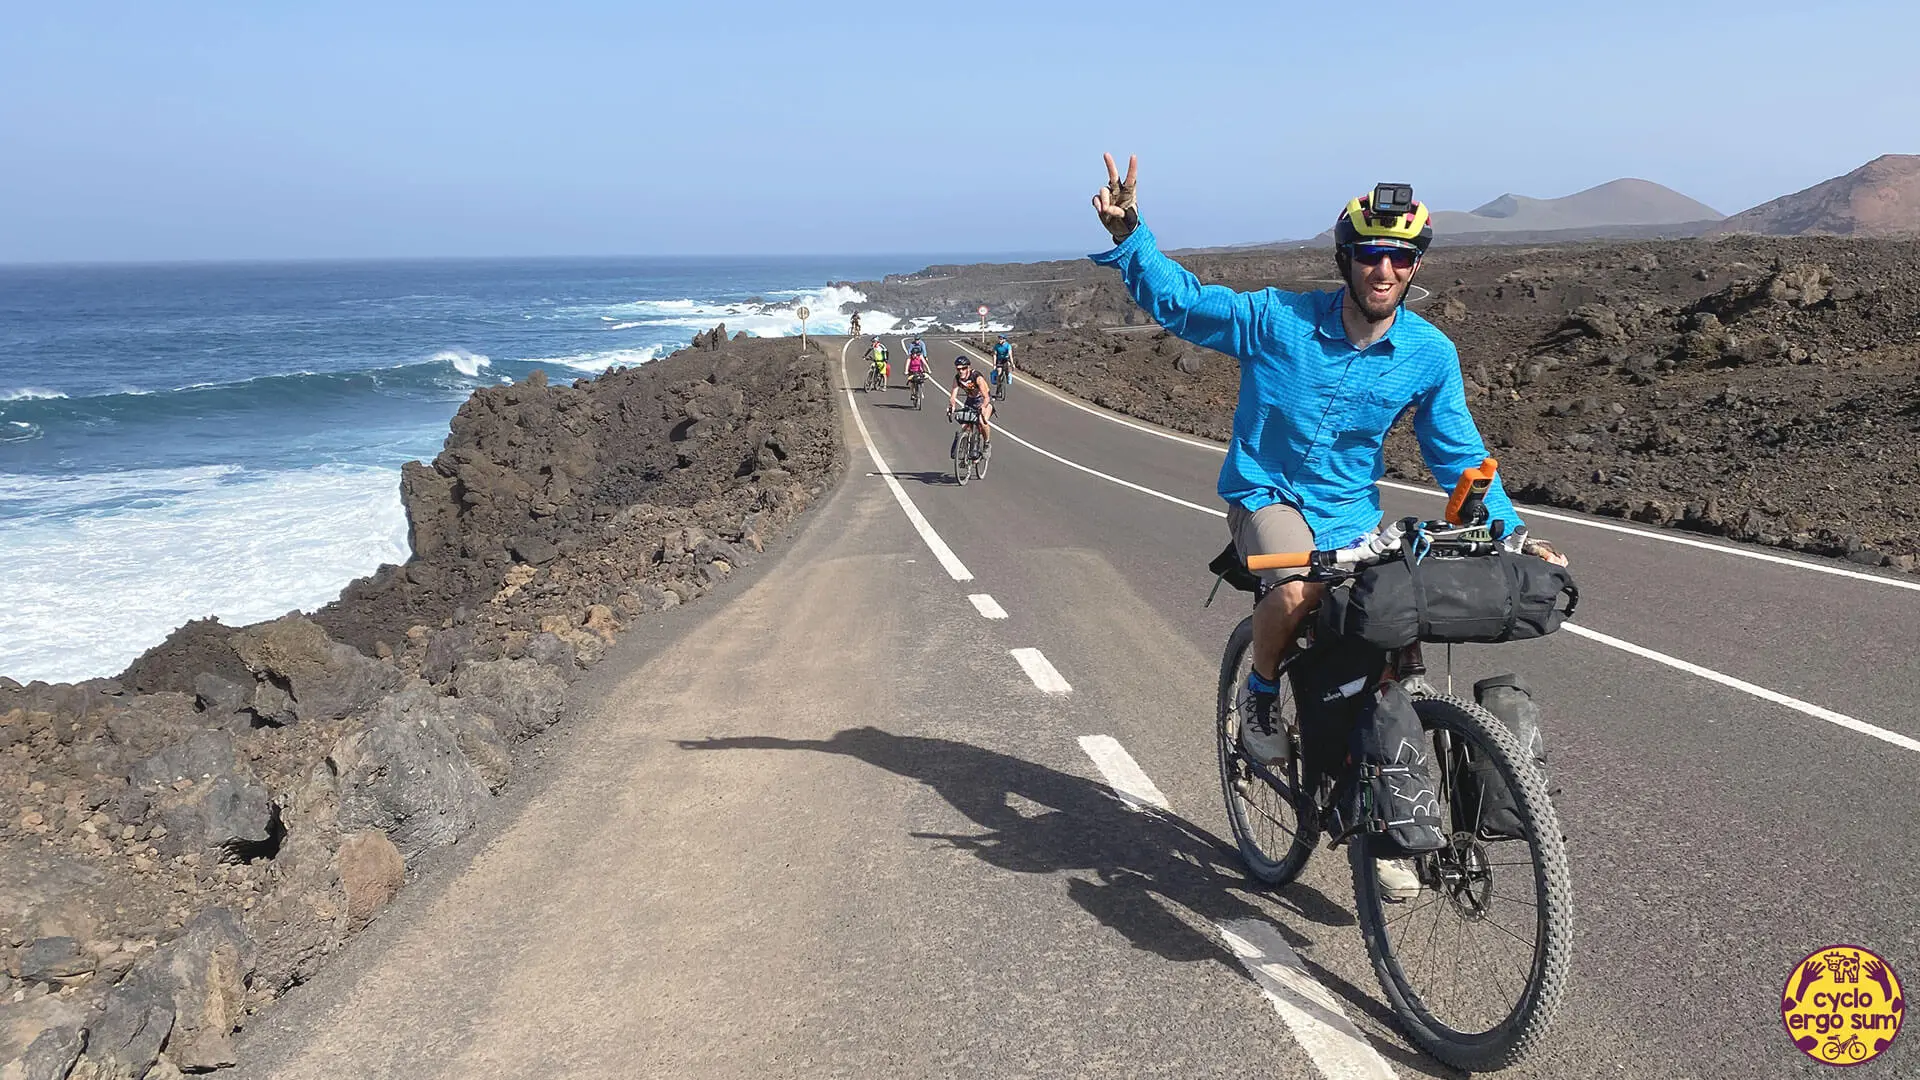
pixel 1262 807
pixel 1526 1024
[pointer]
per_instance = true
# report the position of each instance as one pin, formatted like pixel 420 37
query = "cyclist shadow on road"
pixel 923 476
pixel 1139 861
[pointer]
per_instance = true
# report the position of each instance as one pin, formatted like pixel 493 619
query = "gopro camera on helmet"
pixel 1392 200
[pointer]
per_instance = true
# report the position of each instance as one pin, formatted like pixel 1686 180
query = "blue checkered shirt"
pixel 1314 411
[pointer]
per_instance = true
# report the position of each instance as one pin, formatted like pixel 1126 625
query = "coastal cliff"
pixel 183 843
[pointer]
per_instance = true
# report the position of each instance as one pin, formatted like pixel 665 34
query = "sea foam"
pixel 120 559
pixel 466 363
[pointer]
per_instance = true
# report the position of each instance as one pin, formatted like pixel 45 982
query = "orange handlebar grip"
pixel 1283 561
pixel 1474 481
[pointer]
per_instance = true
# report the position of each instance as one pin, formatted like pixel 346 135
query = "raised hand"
pixel 1115 202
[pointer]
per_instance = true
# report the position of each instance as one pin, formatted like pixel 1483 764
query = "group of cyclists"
pixel 972 392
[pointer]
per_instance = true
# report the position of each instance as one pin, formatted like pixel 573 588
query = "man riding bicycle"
pixel 974 385
pixel 1323 376
pixel 877 354
pixel 1003 359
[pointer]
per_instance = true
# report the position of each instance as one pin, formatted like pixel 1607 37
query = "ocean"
pixel 178 441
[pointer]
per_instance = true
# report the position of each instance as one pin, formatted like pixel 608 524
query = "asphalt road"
pixel 836 827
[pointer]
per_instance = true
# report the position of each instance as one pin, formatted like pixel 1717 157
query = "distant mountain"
pixel 1619 209
pixel 1618 202
pixel 1880 198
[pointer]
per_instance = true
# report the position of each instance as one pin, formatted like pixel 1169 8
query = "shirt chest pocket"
pixel 1371 414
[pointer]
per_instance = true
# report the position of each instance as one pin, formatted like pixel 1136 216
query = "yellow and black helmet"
pixel 1358 224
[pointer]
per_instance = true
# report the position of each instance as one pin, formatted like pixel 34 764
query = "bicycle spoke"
pixel 1509 933
pixel 1458 975
pixel 1414 909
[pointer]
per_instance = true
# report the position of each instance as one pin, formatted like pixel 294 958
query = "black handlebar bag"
pixel 1477 599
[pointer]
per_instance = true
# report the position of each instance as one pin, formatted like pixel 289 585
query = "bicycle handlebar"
pixel 1283 561
pixel 1465 507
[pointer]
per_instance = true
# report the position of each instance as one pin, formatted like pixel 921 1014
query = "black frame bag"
pixel 1478 599
pixel 1331 689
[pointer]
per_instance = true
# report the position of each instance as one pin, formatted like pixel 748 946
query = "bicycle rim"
pixel 962 469
pixel 980 461
pixel 1275 830
pixel 1475 966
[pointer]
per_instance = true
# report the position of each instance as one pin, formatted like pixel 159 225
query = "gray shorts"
pixel 1272 529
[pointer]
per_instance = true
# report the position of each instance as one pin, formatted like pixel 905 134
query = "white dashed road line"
pixel 1123 774
pixel 988 607
pixel 1041 671
pixel 1316 1018
pixel 954 567
pixel 1310 1010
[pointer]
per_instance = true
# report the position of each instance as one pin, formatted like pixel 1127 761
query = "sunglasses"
pixel 1371 254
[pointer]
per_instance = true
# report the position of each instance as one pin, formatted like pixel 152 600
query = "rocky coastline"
pixel 183 843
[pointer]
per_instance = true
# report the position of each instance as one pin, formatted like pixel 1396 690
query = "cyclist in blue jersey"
pixel 1002 361
pixel 1323 376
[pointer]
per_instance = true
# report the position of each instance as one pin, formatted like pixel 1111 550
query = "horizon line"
pixel 286 260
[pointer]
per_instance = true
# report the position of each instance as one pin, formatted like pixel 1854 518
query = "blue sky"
pixel 245 130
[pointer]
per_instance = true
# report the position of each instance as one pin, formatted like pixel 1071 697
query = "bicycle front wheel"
pixel 1474 967
pixel 1275 828
pixel 962 466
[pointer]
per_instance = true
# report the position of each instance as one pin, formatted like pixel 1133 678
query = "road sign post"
pixel 803 313
pixel 983 325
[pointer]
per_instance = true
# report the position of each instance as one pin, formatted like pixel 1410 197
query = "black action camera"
pixel 1392 200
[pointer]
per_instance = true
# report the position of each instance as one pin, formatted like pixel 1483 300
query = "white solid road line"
pixel 1310 1011
pixel 1041 671
pixel 1892 738
pixel 1644 534
pixel 954 567
pixel 1001 428
pixel 1064 400
pixel 987 606
pixel 1532 511
pixel 1808 708
pixel 1123 774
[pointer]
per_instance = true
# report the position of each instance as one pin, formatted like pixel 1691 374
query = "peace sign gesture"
pixel 1114 203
